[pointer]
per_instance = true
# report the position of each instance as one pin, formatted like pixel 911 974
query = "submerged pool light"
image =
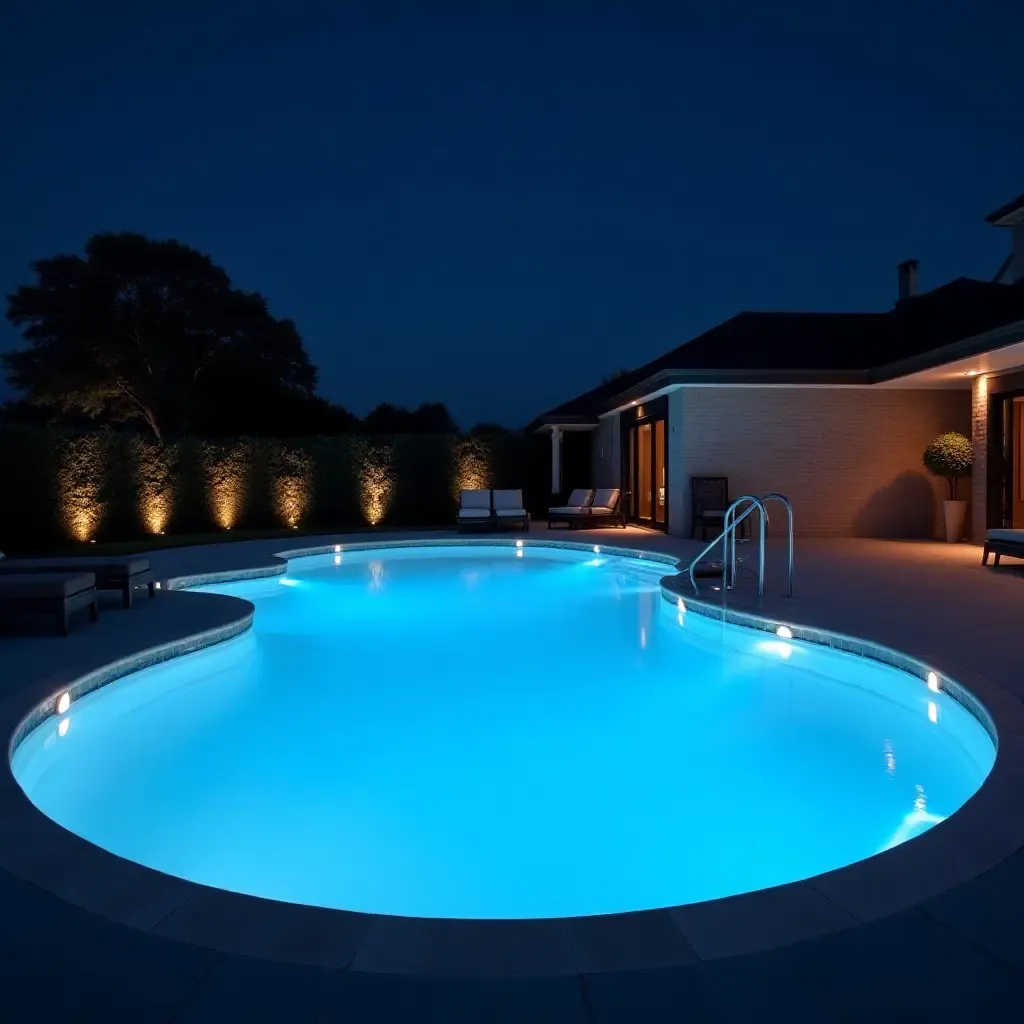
pixel 933 682
pixel 63 703
pixel 784 632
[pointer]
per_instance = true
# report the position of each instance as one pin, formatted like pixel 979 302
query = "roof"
pixel 1008 213
pixel 812 347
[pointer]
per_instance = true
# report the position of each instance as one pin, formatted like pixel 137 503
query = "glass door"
pixel 647 473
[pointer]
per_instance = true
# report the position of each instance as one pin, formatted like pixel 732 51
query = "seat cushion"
pixel 474 513
pixel 600 510
pixel 45 584
pixel 580 496
pixel 475 499
pixel 103 566
pixel 508 500
pixel 568 510
pixel 510 512
pixel 1013 536
pixel 606 497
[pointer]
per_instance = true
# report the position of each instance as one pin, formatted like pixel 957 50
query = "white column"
pixel 556 460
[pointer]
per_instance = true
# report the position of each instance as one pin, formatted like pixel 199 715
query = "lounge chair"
pixel 51 593
pixel 1003 542
pixel 607 508
pixel 123 574
pixel 474 510
pixel 579 500
pixel 509 510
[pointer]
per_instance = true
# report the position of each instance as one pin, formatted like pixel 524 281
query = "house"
pixel 832 409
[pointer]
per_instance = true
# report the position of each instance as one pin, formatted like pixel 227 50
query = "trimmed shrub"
pixel 950 456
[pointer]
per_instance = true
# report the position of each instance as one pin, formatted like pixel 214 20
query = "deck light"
pixel 157 585
pixel 62 729
pixel 337 548
pixel 785 632
pixel 63 703
pixel 933 682
pixel 519 543
pixel 597 549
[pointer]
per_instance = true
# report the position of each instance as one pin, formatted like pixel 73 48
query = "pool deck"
pixel 930 929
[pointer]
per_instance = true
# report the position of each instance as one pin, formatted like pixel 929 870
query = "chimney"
pixel 907 279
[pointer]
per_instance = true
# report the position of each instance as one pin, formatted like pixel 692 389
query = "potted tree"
pixel 951 456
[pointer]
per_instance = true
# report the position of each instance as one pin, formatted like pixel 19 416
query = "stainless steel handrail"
pixel 729 533
pixel 789 535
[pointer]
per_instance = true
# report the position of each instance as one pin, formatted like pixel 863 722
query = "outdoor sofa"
pixel 486 509
pixel 606 509
pixel 123 574
pixel 1003 542
pixel 579 500
pixel 48 593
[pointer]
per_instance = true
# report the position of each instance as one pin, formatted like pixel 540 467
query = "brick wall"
pixel 849 459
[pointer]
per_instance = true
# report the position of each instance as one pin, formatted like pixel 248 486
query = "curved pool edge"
pixel 981 833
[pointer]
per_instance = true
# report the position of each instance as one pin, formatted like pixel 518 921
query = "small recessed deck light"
pixel 337 548
pixel 519 543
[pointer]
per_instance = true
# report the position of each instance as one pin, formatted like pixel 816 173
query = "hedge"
pixel 61 487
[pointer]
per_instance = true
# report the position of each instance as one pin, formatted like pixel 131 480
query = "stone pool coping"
pixel 982 833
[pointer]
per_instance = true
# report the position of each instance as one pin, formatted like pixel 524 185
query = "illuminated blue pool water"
pixel 476 732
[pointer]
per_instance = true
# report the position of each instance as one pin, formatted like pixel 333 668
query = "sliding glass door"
pixel 647 473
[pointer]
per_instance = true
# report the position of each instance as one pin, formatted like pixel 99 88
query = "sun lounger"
pixel 607 510
pixel 123 574
pixel 54 593
pixel 579 500
pixel 509 510
pixel 474 510
pixel 1003 542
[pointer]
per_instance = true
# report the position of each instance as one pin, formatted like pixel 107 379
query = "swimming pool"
pixel 492 732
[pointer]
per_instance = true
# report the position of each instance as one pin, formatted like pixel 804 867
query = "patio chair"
pixel 1003 542
pixel 608 508
pixel 709 497
pixel 474 510
pixel 508 509
pixel 580 499
pixel 123 574
pixel 48 593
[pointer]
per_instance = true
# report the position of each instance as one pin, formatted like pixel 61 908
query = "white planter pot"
pixel 955 513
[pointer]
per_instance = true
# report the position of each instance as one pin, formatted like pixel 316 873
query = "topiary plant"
pixel 950 456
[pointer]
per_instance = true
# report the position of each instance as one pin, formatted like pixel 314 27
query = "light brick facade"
pixel 848 458
pixel 979 440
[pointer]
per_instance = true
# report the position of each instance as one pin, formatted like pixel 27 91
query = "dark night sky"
pixel 494 209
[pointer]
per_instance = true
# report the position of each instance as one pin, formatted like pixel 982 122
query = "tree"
pixel 608 378
pixel 150 330
pixel 429 418
pixel 950 456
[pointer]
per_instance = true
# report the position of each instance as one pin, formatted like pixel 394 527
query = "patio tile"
pixel 759 920
pixel 289 932
pixel 628 942
pixel 988 911
pixel 906 964
pixel 667 995
pixel 452 947
pixel 61 963
pixel 895 880
pixel 245 989
pixel 36 849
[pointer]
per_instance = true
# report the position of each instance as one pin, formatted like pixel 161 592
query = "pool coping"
pixel 984 831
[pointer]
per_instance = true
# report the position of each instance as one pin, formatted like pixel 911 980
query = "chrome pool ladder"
pixel 736 513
